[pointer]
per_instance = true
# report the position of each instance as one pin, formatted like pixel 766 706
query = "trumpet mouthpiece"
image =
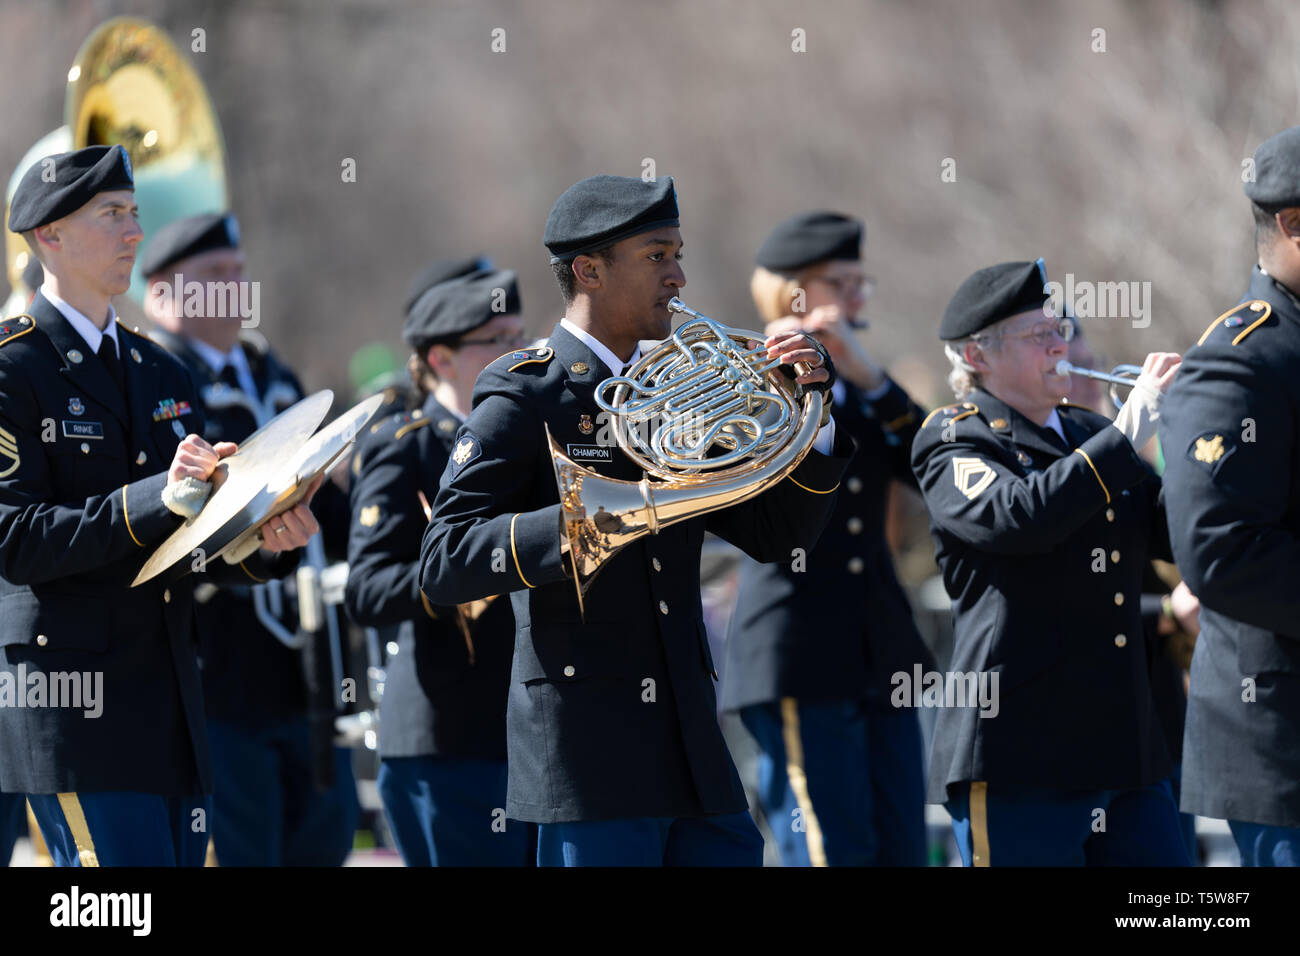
pixel 1063 367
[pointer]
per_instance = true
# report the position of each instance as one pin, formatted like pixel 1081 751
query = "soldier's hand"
pixel 294 528
pixel 1187 609
pixel 852 362
pixel 796 347
pixel 1158 371
pixel 195 458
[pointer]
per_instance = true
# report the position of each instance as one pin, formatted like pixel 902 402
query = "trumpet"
pixel 1121 376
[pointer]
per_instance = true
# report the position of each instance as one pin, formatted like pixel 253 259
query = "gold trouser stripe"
pixel 128 520
pixel 979 823
pixel 813 490
pixel 1105 490
pixel 40 852
pixel 794 771
pixel 515 553
pixel 80 829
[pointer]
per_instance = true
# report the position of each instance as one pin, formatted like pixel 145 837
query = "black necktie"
pixel 1054 437
pixel 108 355
pixel 231 377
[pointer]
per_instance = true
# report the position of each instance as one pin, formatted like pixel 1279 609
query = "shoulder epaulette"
pixel 953 412
pixel 521 357
pixel 15 327
pixel 1232 319
pixel 416 419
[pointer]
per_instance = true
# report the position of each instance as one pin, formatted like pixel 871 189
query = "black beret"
pixel 601 210
pixel 456 306
pixel 1276 185
pixel 188 237
pixel 808 238
pixel 78 177
pixel 992 295
pixel 440 270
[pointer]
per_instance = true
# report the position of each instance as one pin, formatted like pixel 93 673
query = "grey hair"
pixel 962 377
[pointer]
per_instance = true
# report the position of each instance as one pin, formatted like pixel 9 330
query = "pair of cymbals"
pixel 267 476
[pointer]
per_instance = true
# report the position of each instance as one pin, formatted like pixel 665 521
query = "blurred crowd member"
pixel 271 805
pixel 815 640
pixel 1232 480
pixel 442 728
pixel 1043 516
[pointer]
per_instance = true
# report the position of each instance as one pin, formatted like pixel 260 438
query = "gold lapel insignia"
pixel 971 476
pixel 447 425
pixel 579 368
pixel 1023 457
pixel 369 516
pixel 135 356
pixel 464 448
pixel 74 356
pixel 1209 450
pixel 998 424
pixel 584 425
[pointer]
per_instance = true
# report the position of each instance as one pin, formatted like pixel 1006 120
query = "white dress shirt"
pixel 84 326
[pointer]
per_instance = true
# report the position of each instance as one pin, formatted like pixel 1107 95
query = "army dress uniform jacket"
pixel 444 693
pixel 82 471
pixel 1042 552
pixel 1230 430
pixel 836 625
pixel 248 675
pixel 613 716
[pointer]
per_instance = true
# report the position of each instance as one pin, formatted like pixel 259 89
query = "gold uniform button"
pixel 85 448
pixel 1119 598
pixel 1120 640
pixel 854 485
pixel 42 640
pixel 663 607
pixel 1114 557
pixel 654 563
pixel 569 670
pixel 141 458
pixel 167 596
pixel 1110 514
pixel 855 565
pixel 855 526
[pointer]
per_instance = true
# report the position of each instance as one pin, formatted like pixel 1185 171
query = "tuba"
pixel 710 420
pixel 130 85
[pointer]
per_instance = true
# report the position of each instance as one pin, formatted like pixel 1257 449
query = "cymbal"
pixel 267 476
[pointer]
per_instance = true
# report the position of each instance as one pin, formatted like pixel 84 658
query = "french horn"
pixel 711 421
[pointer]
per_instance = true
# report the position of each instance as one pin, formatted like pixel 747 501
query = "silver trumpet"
pixel 1121 376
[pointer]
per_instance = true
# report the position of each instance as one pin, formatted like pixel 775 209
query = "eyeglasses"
pixel 1042 334
pixel 846 286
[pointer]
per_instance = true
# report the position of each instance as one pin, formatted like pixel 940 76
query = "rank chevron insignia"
pixel 971 476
